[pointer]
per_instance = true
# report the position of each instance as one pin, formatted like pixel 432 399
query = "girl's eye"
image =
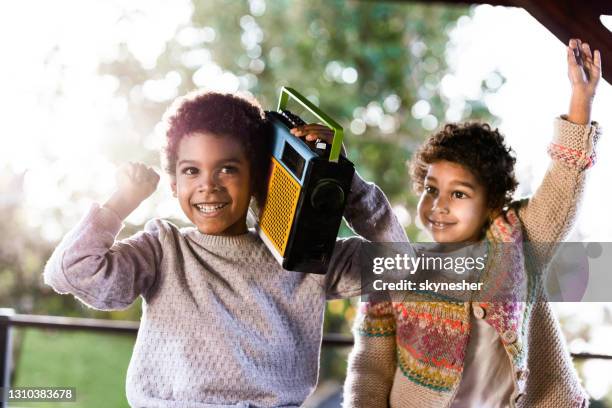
pixel 190 171
pixel 459 194
pixel 430 190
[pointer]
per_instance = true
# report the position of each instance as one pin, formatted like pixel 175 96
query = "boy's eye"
pixel 190 171
pixel 229 170
pixel 459 194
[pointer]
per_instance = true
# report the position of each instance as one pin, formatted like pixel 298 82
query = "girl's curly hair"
pixel 223 115
pixel 479 149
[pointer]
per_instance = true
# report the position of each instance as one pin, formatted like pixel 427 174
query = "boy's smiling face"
pixel 452 206
pixel 212 183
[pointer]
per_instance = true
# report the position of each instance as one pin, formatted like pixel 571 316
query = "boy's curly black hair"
pixel 224 115
pixel 479 149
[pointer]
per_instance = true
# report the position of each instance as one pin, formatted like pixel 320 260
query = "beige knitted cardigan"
pixel 543 375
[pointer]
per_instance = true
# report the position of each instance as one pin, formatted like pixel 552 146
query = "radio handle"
pixel 336 146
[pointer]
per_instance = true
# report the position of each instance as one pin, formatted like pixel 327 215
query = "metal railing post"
pixel 5 355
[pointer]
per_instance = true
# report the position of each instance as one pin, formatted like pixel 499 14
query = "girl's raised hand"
pixel 584 66
pixel 584 72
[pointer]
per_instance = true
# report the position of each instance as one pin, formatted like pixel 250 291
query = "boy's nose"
pixel 208 188
pixel 208 183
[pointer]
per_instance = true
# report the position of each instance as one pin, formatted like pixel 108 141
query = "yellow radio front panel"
pixel 279 210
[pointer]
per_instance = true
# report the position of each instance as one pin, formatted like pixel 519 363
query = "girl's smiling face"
pixel 213 183
pixel 453 206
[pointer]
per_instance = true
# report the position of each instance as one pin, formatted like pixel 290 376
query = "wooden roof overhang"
pixel 567 19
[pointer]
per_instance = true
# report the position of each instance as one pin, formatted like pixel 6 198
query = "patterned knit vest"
pixel 432 334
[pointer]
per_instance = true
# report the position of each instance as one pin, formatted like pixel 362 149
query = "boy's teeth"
pixel 209 207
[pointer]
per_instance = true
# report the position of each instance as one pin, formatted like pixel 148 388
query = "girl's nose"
pixel 440 205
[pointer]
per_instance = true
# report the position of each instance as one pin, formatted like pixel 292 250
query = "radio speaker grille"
pixel 279 209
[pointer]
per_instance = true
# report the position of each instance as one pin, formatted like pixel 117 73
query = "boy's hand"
pixel 135 183
pixel 584 72
pixel 314 131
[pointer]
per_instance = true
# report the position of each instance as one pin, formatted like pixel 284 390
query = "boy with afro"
pixel 223 325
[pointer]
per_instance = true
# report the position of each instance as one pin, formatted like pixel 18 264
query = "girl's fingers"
pixel 592 66
pixel 597 59
pixel 573 44
pixel 584 65
pixel 586 50
pixel 576 57
pixel 571 56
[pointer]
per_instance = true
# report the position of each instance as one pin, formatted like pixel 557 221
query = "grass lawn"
pixel 95 364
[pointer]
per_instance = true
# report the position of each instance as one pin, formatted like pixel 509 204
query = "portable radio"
pixel 307 190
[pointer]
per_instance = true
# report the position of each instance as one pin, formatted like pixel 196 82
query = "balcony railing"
pixel 9 320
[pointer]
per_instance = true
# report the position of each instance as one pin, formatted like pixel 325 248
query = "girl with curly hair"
pixel 442 352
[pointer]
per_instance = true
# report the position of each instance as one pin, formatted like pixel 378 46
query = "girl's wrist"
pixel 582 94
pixel 580 108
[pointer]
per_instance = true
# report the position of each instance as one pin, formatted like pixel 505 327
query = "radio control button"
pixel 327 196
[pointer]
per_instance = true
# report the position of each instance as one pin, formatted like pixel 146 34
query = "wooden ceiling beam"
pixel 566 19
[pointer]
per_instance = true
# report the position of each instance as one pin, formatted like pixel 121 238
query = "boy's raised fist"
pixel 137 181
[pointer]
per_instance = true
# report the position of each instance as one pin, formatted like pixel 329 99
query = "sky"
pixel 56 132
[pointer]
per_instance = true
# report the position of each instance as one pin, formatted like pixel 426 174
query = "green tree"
pixel 364 63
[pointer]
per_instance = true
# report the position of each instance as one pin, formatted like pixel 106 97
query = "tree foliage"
pixel 365 63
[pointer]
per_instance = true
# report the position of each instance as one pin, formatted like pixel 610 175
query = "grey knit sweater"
pixel 222 323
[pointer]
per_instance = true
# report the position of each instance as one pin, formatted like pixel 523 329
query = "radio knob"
pixel 327 196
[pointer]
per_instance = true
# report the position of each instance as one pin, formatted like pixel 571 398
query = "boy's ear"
pixel 173 185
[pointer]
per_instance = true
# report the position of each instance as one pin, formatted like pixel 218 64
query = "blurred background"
pixel 84 85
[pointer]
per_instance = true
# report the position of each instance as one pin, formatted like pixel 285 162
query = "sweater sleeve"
pixel 371 217
pixel 372 362
pixel 549 215
pixel 103 273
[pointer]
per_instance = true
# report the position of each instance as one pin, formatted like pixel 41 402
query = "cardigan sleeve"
pixel 103 273
pixel 372 362
pixel 371 217
pixel 549 215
